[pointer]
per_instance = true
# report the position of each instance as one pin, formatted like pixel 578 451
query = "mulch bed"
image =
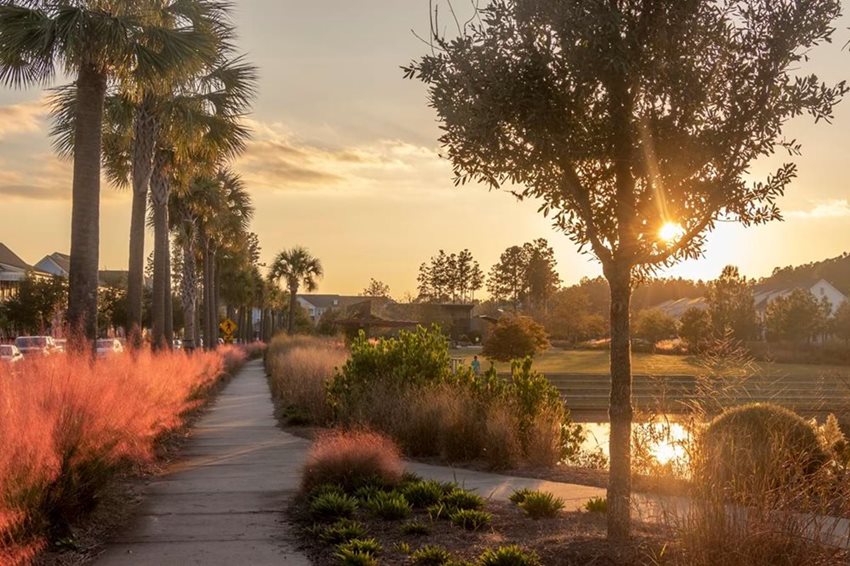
pixel 570 539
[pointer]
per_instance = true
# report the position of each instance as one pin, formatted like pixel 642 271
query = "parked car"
pixel 10 353
pixel 36 345
pixel 108 347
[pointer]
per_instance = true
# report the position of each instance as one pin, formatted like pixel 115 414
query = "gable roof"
pixel 62 260
pixel 332 301
pixel 10 258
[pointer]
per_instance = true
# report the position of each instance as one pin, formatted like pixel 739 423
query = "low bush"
pixel 438 511
pixel 463 499
pixel 511 555
pixel 300 368
pixel 362 546
pixel 423 493
pixel 596 505
pixel 431 555
pixel 471 519
pixel 342 531
pixel 541 504
pixel 69 425
pixel 352 459
pixel 519 495
pixel 415 528
pixel 390 506
pixel 332 506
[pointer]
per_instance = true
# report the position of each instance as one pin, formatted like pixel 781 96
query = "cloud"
pixel 276 159
pixel 27 117
pixel 834 208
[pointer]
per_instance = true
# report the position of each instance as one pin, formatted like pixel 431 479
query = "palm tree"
pixel 296 267
pixel 200 128
pixel 214 215
pixel 96 41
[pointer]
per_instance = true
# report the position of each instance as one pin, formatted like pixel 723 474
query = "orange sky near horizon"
pixel 344 161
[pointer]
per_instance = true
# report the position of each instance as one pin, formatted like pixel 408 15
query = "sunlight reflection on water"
pixel 666 441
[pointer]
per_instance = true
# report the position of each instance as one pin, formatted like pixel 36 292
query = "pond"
pixel 664 440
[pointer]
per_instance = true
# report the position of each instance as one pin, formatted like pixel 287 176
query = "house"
pixel 317 305
pixel 675 308
pixel 56 263
pixel 13 270
pixel 820 289
pixel 59 264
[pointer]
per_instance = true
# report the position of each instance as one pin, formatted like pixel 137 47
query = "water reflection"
pixel 658 443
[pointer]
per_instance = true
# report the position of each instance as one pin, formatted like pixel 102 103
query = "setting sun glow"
pixel 671 231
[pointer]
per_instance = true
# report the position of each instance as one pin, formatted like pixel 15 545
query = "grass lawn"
pixel 596 362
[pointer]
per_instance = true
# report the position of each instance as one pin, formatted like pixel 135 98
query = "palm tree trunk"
pixel 206 292
pixel 293 290
pixel 85 211
pixel 189 291
pixel 144 134
pixel 169 301
pixel 159 199
pixel 620 408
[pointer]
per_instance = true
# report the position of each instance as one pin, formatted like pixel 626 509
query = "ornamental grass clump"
pixel 332 506
pixel 351 460
pixel 389 505
pixel 431 555
pixel 299 369
pixel 471 519
pixel 541 504
pixel 423 493
pixel 68 425
pixel 511 555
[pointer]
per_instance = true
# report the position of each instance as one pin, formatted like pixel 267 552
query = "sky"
pixel 344 161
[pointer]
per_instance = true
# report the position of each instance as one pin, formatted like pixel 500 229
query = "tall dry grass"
pixel 299 368
pixel 68 424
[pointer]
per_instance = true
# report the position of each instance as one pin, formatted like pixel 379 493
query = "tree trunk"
pixel 85 208
pixel 159 199
pixel 189 291
pixel 212 311
pixel 293 290
pixel 144 134
pixel 206 294
pixel 169 300
pixel 620 408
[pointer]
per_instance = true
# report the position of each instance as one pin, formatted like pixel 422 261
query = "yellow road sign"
pixel 227 326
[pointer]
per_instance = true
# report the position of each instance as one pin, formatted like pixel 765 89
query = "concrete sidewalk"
pixel 223 503
pixel 499 487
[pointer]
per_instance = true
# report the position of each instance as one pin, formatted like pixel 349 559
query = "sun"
pixel 671 231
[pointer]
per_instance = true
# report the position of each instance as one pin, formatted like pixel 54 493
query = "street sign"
pixel 228 327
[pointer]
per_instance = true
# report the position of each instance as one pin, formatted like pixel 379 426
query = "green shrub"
pixel 331 506
pixel 431 555
pixel 511 555
pixel 389 506
pixel 352 558
pixel 342 531
pixel 463 499
pixel 324 489
pixel 519 495
pixel 471 519
pixel 596 505
pixel 540 504
pixel 438 511
pixel 753 449
pixel 367 492
pixel 423 493
pixel 415 528
pixel 515 337
pixel 362 546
